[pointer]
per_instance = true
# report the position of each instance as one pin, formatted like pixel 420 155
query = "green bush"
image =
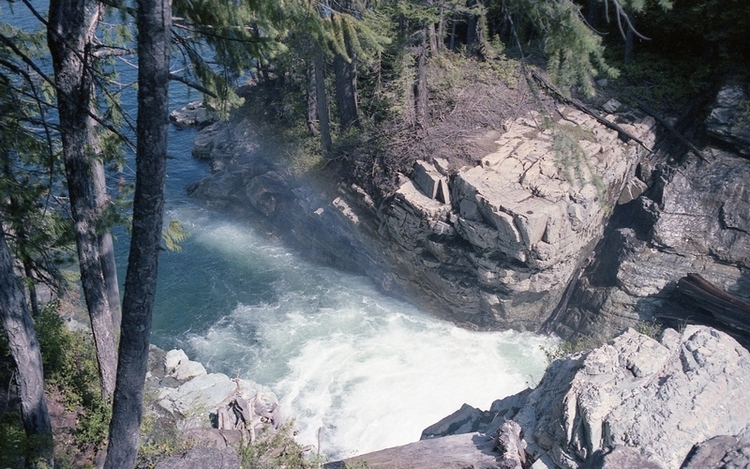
pixel 160 439
pixel 276 450
pixel 70 366
pixel 12 440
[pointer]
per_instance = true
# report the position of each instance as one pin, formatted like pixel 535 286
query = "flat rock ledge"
pixel 681 402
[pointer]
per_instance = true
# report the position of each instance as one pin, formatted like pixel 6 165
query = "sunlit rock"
pixel 632 399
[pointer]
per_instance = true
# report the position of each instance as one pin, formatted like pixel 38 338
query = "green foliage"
pixel 744 119
pixel 70 366
pixel 12 440
pixel 567 347
pixel 572 161
pixel 664 85
pixel 574 52
pixel 160 439
pixel 272 450
pixel 650 328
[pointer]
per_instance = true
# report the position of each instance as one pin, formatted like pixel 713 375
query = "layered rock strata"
pixel 693 218
pixel 493 245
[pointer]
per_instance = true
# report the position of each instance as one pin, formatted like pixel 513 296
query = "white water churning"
pixel 367 371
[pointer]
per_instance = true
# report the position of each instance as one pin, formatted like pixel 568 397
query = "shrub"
pixel 70 366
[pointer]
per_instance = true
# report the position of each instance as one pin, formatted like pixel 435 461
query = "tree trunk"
pixel 453 34
pixel 594 13
pixel 431 33
pixel 106 244
pixel 154 24
pixel 18 225
pixel 346 88
pixel 69 35
pixel 24 347
pixel 441 30
pixel 322 104
pixel 629 41
pixel 472 31
pixel 433 39
pixel 312 100
pixel 421 85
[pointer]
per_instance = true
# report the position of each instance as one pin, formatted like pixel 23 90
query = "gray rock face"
pixel 720 452
pixel 695 219
pixel 493 245
pixel 202 458
pixel 729 120
pixel 184 390
pixel 463 451
pixel 501 249
pixel 657 399
pixel 619 457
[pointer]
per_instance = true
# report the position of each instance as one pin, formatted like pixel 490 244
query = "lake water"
pixel 360 369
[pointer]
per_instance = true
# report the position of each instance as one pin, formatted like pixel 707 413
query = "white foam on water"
pixel 365 370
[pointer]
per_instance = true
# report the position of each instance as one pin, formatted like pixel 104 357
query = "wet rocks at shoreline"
pixel 634 402
pixel 184 392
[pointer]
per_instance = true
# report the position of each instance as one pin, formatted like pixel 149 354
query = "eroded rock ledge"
pixel 634 402
pixel 493 245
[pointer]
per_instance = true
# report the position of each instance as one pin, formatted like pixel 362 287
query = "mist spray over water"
pixel 363 369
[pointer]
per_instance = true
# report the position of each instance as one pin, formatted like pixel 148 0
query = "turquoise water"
pixel 361 369
pixel 366 370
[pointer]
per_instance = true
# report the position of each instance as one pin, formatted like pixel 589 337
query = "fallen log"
pixel 698 293
pixel 621 133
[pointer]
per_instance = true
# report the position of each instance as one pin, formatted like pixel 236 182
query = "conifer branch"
pixel 192 84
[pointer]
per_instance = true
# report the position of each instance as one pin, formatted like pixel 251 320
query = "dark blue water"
pixel 369 371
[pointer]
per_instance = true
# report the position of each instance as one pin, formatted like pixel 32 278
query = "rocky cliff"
pixel 569 226
pixel 693 218
pixel 493 245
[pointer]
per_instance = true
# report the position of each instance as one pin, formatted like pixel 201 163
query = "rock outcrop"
pixel 182 389
pixel 202 458
pixel 634 402
pixel 693 219
pixel 192 115
pixel 500 250
pixel 729 120
pixel 493 245
pixel 658 397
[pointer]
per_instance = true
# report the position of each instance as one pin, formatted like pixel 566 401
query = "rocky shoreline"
pixel 678 402
pixel 526 239
pixel 517 241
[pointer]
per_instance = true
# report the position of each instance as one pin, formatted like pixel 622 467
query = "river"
pixel 359 369
pixel 367 370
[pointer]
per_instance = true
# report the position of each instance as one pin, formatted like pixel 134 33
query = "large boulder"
pixel 183 390
pixel 193 114
pixel 720 452
pixel 467 450
pixel 499 247
pixel 202 458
